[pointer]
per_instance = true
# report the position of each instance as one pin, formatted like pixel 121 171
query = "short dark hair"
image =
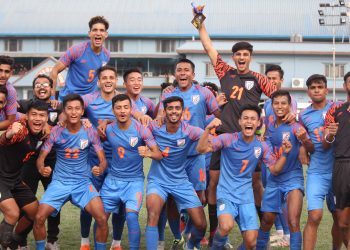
pixel 275 67
pixel 255 108
pixel 164 85
pixel 347 75
pixel 119 98
pixel 316 78
pixel 106 67
pixel 72 97
pixel 129 71
pixel 211 86
pixel 43 76
pixel 98 19
pixel 4 90
pixel 185 60
pixel 7 60
pixel 38 105
pixel 242 46
pixel 281 92
pixel 173 99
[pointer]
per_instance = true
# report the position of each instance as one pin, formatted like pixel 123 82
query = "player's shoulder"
pixel 105 51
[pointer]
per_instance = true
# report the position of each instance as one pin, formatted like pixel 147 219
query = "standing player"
pixel 241 86
pixel 319 173
pixel 168 176
pixel 125 180
pixel 71 178
pixel 337 133
pixel 17 145
pixel 133 82
pixel 6 69
pixel 288 185
pixel 83 61
pixel 241 153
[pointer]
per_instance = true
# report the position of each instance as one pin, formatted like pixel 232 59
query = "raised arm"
pixel 203 145
pixel 59 67
pixel 278 166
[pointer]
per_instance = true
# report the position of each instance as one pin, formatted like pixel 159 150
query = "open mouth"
pixel 98 40
pixel 42 93
pixel 248 129
pixel 37 126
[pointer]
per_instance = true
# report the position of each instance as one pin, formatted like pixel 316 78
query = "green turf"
pixel 69 237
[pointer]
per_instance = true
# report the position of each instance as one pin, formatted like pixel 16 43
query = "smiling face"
pixel 184 75
pixel 107 81
pixel 37 119
pixel 3 101
pixel 242 59
pixel 173 112
pixel 122 111
pixel 42 89
pixel 275 78
pixel 98 35
pixel 249 121
pixel 73 110
pixel 280 106
pixel 134 84
pixel 5 73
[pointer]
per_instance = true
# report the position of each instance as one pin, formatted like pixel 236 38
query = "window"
pixel 264 66
pixel 209 70
pixel 13 45
pixel 339 70
pixel 115 45
pixel 165 46
pixel 62 45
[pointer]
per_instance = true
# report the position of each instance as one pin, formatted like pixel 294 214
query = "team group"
pixel 206 148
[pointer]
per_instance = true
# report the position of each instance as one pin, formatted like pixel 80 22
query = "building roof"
pixel 250 19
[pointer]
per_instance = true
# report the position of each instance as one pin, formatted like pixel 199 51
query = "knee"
pixel 152 217
pixel 101 220
pixel 40 219
pixel 225 228
pixel 250 242
pixel 314 219
pixel 343 225
pixel 267 221
pixel 12 215
pixel 294 224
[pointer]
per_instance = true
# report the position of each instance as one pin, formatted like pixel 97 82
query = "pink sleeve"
pixel 73 53
pixel 221 141
pixel 55 133
pixel 95 140
pixel 147 136
pixel 11 105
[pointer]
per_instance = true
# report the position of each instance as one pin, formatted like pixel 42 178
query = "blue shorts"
pixel 58 193
pixel 275 196
pixel 184 194
pixel 330 200
pixel 317 188
pixel 195 169
pixel 115 191
pixel 244 214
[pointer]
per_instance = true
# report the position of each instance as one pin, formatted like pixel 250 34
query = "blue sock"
pixel 175 228
pixel 295 241
pixel 94 228
pixel 118 221
pixel 263 239
pixel 40 244
pixel 85 223
pixel 196 237
pixel 218 241
pixel 188 227
pixel 100 246
pixel 134 233
pixel 284 221
pixel 278 223
pixel 161 225
pixel 151 238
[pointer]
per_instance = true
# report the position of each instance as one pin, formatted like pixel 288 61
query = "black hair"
pixel 38 105
pixel 212 86
pixel 98 19
pixel 164 85
pixel 4 90
pixel 7 60
pixel 316 78
pixel 106 67
pixel 242 46
pixel 173 99
pixel 43 76
pixel 255 108
pixel 72 97
pixel 275 67
pixel 281 92
pixel 347 75
pixel 129 71
pixel 185 60
pixel 119 98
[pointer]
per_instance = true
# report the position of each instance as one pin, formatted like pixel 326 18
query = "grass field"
pixel 69 238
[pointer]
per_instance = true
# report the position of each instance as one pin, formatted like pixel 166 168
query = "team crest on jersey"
pixel 195 99
pixel 83 143
pixel 133 141
pixel 39 143
pixel 249 85
pixel 324 115
pixel 257 152
pixel 285 136
pixel 144 110
pixel 53 116
pixel 181 142
pixel 104 63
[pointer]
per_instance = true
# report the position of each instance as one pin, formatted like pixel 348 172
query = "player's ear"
pixel 106 34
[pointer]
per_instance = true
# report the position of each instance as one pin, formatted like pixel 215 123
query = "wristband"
pixel 330 142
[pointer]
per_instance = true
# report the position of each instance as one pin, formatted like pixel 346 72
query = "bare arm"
pixel 330 133
pixel 40 164
pixel 278 166
pixel 207 44
pixel 98 170
pixel 150 152
pixel 4 124
pixel 203 145
pixel 59 67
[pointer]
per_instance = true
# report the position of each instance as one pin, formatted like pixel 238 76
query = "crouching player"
pixel 71 178
pixel 125 180
pixel 240 154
